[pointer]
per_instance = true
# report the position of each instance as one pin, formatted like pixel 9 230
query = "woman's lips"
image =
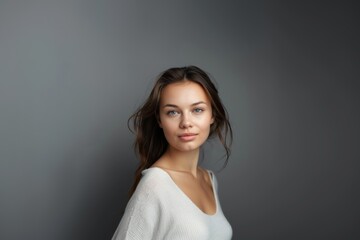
pixel 187 137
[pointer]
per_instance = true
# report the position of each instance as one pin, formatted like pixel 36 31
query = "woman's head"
pixel 185 116
pixel 150 139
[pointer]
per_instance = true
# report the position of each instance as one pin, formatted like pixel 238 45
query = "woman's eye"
pixel 172 113
pixel 198 110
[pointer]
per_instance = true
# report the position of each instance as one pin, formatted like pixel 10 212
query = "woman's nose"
pixel 185 121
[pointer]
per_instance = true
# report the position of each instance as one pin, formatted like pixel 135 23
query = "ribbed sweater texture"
pixel 160 210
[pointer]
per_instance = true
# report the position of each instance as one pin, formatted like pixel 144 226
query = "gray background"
pixel 71 72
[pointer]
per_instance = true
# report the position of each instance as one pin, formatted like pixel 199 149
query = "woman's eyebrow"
pixel 197 103
pixel 175 106
pixel 170 105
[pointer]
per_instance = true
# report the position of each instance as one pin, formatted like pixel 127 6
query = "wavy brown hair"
pixel 150 143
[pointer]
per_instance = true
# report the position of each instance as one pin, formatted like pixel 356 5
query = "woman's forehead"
pixel 183 93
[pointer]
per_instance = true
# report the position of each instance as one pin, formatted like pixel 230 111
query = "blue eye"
pixel 172 113
pixel 198 110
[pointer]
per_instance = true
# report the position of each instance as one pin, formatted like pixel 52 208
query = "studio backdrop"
pixel 73 71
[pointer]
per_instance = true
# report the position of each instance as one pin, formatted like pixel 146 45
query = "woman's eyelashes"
pixel 198 110
pixel 174 113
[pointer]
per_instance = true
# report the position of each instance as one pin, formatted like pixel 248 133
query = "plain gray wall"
pixel 72 71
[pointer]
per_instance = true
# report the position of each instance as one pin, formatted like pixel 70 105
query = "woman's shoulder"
pixel 145 207
pixel 209 177
pixel 154 181
pixel 207 173
pixel 154 175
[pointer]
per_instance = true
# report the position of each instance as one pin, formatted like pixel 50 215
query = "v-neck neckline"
pixel 187 198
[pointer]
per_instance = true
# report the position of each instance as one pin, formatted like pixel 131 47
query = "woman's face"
pixel 185 115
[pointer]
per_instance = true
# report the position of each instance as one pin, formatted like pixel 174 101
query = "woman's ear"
pixel 212 120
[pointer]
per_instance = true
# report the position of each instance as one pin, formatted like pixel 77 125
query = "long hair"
pixel 150 143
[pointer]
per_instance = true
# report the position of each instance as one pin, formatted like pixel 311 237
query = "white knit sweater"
pixel 159 209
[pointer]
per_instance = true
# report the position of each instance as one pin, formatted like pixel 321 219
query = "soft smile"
pixel 187 136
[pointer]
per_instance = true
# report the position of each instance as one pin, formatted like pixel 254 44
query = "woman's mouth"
pixel 187 137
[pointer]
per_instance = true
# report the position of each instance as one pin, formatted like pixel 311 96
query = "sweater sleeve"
pixel 141 216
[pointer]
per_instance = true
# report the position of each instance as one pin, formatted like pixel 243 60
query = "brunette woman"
pixel 172 197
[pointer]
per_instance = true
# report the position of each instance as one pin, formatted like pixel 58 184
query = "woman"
pixel 172 197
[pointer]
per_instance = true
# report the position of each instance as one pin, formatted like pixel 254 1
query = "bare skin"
pixel 197 187
pixel 186 109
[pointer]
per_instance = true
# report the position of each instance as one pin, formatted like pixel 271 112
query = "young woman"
pixel 172 197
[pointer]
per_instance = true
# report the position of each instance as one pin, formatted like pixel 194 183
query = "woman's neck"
pixel 180 161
